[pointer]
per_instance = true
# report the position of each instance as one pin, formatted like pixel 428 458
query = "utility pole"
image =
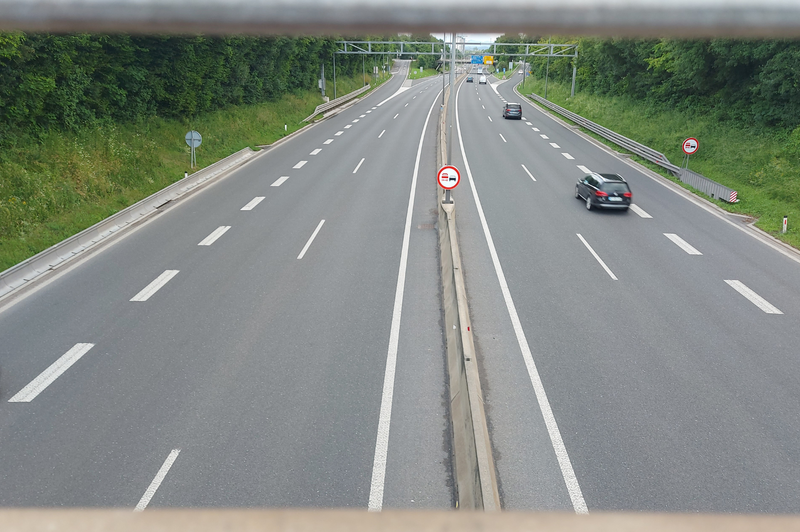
pixel 450 103
pixel 547 70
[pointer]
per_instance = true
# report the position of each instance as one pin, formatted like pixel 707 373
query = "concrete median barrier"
pixel 472 453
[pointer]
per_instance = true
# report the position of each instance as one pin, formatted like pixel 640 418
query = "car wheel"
pixel 577 193
pixel 589 201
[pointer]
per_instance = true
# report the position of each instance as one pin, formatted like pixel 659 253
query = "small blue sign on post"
pixel 477 60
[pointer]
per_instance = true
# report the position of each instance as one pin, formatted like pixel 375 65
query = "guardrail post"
pixel 785 224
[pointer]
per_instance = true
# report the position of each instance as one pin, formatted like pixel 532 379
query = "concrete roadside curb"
pixel 742 222
pixel 55 257
pixel 476 480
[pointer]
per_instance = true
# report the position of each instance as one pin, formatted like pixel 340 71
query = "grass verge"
pixel 414 73
pixel 54 186
pixel 762 164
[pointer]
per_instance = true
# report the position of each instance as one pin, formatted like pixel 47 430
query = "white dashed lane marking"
pixel 502 137
pixel 683 244
pixel 316 151
pixel 328 141
pixel 218 232
pixel 278 182
pixel 754 298
pixel 544 136
pixel 635 208
pixel 382 132
pixel 300 164
pixel 54 371
pixel 155 286
pixel 255 201
pixel 568 156
pixel 338 133
pixel 528 172
pixel 556 146
pixel 586 171
pixel 348 126
pixel 359 165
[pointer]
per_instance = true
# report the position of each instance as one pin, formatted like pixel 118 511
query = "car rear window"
pixel 517 106
pixel 615 187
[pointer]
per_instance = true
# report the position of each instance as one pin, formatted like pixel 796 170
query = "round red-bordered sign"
pixel 448 177
pixel 690 146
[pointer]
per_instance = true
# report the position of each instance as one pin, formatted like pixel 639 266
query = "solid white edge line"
pixel 683 244
pixel 155 286
pixel 754 298
pixel 300 164
pixel 54 371
pixel 638 210
pixel 597 257
pixel 278 182
pixel 382 132
pixel 571 481
pixel 310 240
pixel 359 164
pixel 253 202
pixel 215 234
pixel 528 172
pixel 159 478
pixel 384 420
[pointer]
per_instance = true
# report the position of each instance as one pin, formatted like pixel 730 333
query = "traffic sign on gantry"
pixel 448 177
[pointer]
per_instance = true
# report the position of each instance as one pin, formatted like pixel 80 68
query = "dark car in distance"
pixel 606 191
pixel 469 79
pixel 512 110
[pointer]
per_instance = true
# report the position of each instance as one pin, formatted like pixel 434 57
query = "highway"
pixel 274 340
pixel 641 360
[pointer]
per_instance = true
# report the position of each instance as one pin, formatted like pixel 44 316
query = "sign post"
pixel 193 139
pixel 689 147
pixel 448 178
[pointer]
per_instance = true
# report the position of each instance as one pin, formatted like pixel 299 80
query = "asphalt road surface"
pixel 236 350
pixel 640 360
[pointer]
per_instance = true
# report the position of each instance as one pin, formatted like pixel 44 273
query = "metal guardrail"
pixel 698 181
pixel 27 270
pixel 337 102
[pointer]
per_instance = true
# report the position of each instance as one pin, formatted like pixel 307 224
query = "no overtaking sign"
pixel 690 145
pixel 448 177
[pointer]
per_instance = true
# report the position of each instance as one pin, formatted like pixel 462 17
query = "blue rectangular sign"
pixel 477 59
